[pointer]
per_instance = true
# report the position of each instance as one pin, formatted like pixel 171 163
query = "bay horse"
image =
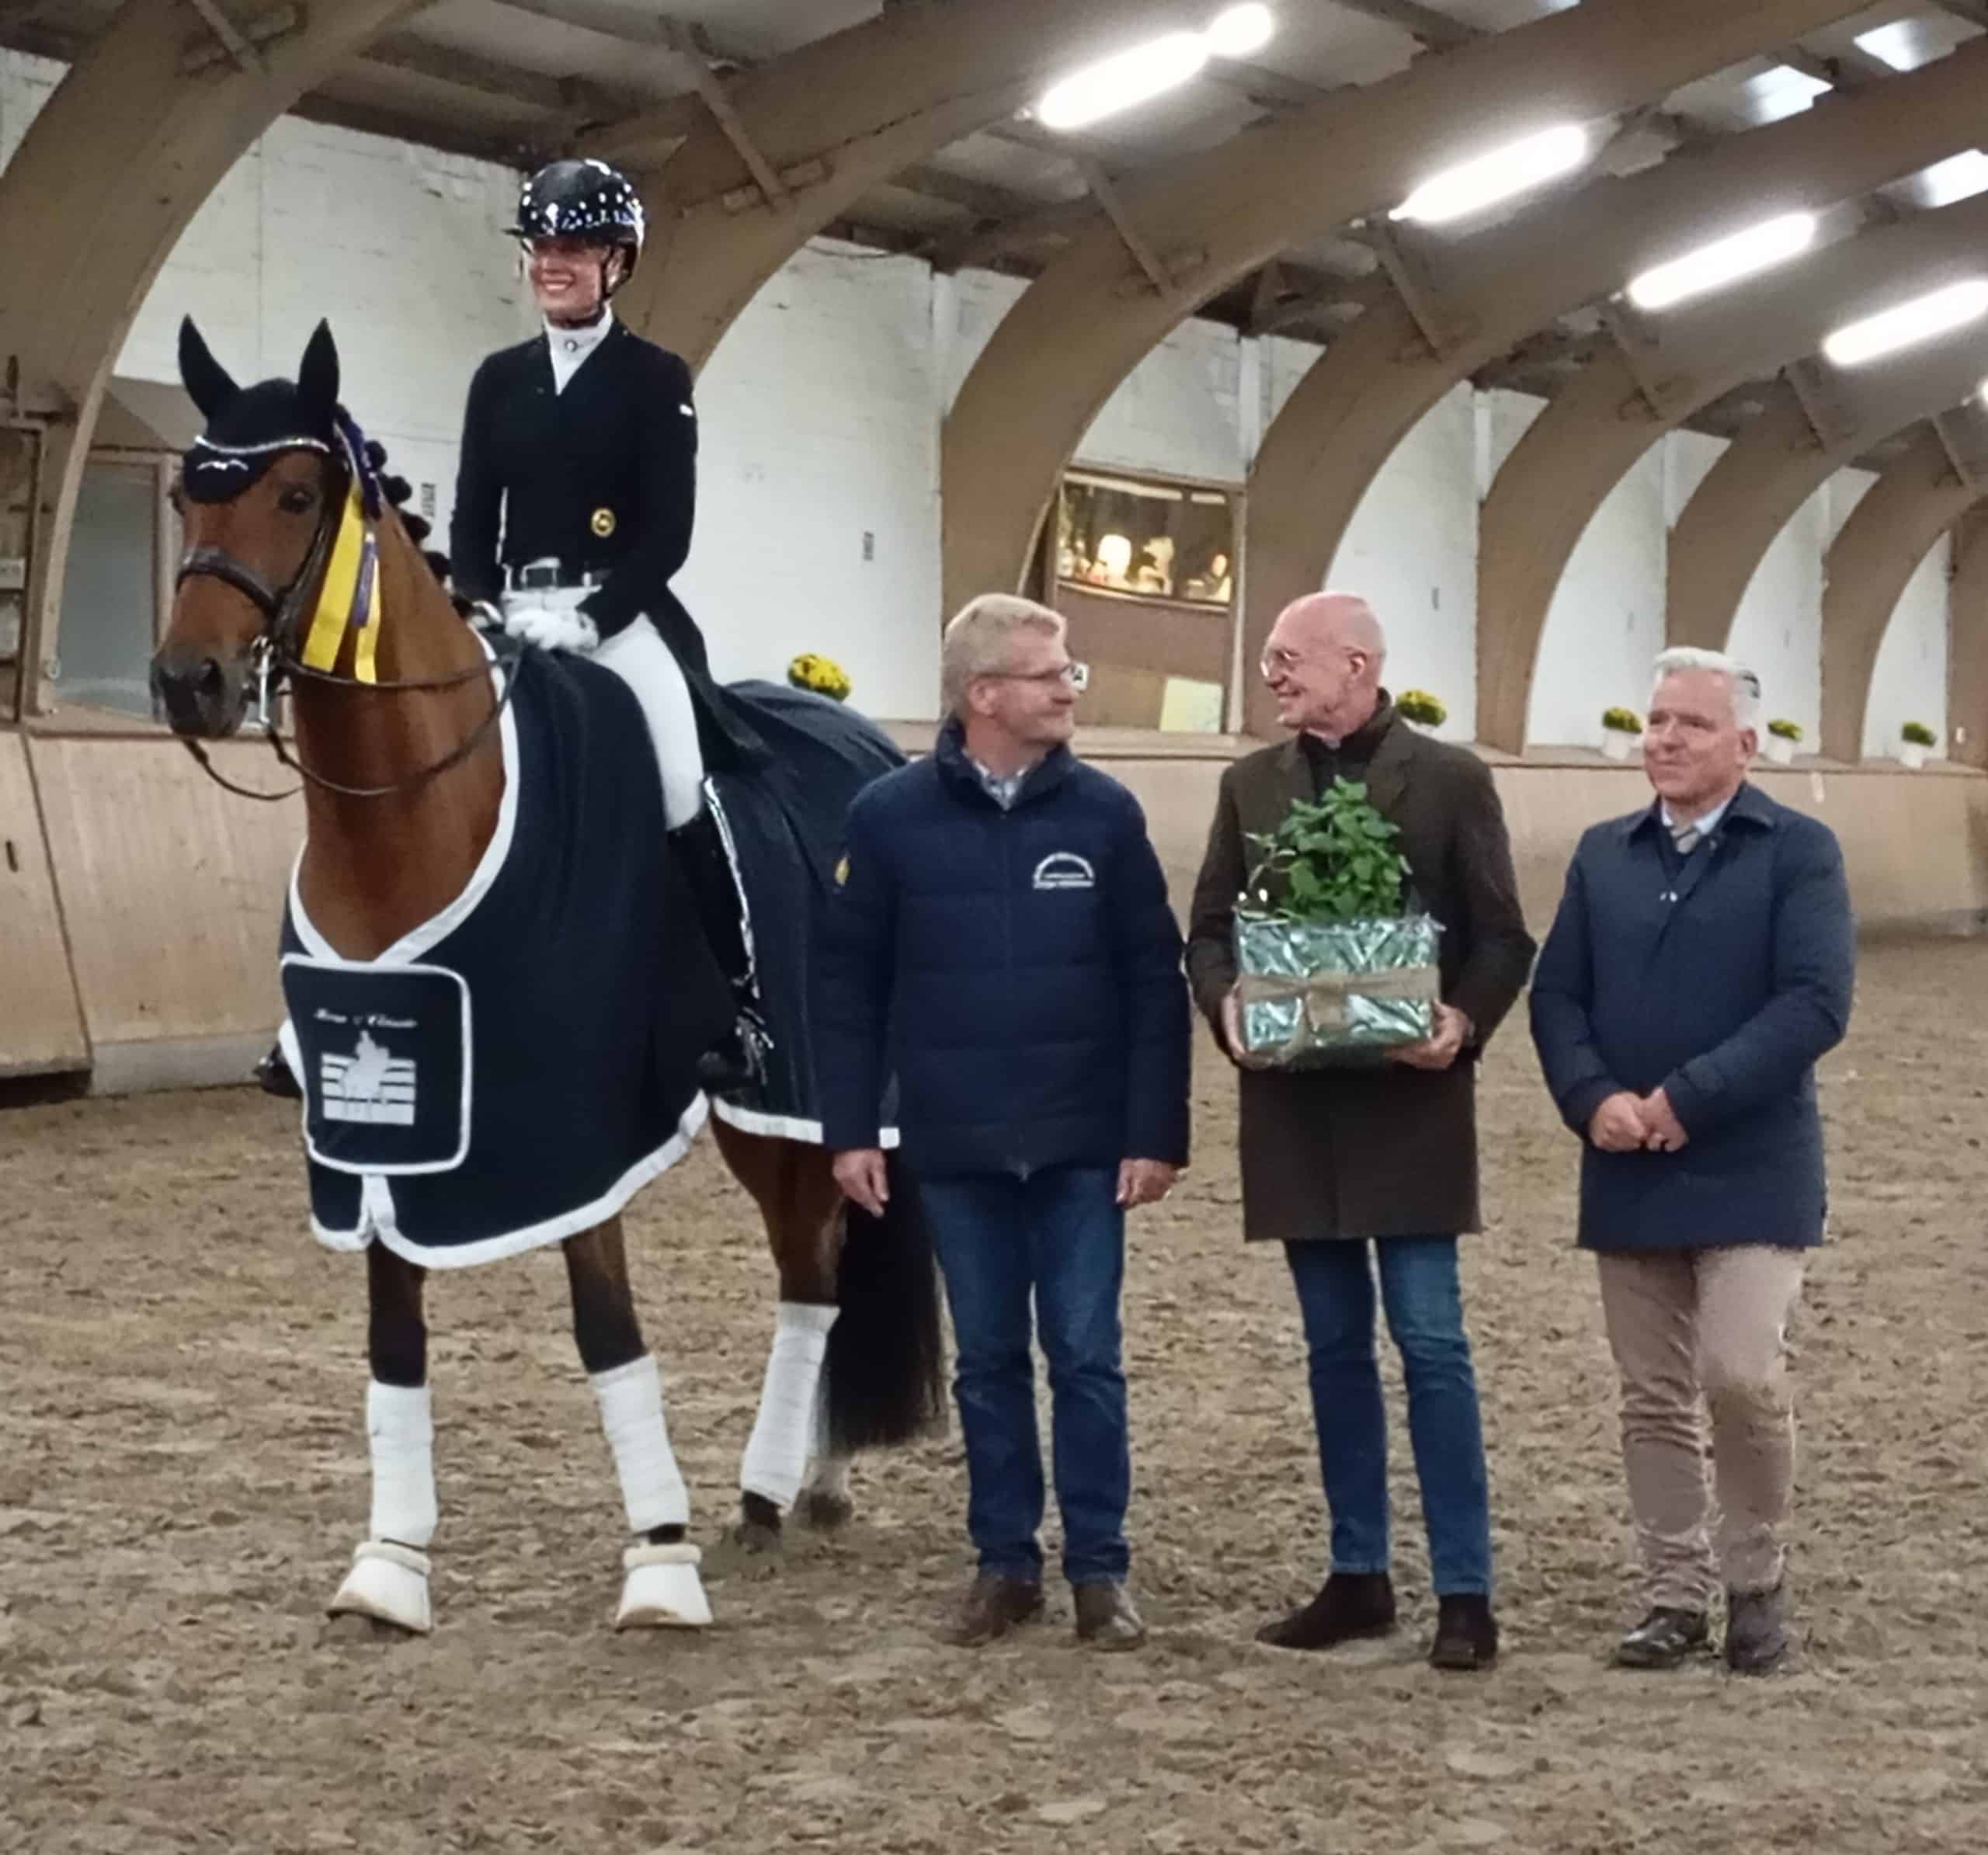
pixel 421 747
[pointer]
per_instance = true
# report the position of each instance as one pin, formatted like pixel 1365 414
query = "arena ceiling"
pixel 1258 192
pixel 520 80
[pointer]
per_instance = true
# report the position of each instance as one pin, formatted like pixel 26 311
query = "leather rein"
pixel 274 659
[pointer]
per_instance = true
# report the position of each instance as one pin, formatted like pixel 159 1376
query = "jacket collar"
pixel 1387 772
pixel 957 767
pixel 1750 806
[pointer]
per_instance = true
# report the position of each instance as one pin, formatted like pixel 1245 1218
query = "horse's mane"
pixel 399 492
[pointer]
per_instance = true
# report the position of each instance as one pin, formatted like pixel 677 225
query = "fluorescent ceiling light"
pixel 1237 31
pixel 1473 185
pixel 1118 83
pixel 1917 321
pixel 1982 392
pixel 1723 261
pixel 1131 78
pixel 1958 177
pixel 1897 44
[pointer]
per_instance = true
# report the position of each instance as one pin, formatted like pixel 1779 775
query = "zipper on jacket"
pixel 1002 816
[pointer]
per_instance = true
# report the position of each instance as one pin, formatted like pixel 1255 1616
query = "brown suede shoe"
pixel 1350 1605
pixel 992 1606
pixel 1107 1617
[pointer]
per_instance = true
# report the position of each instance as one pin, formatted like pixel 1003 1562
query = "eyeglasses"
pixel 1278 661
pixel 1076 675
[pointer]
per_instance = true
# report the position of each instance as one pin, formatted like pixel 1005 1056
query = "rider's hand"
pixel 864 1178
pixel 552 628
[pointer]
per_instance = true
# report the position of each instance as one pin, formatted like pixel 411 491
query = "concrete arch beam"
pixel 1212 218
pixel 1776 464
pixel 1580 447
pixel 1361 398
pixel 107 178
pixel 1914 502
pixel 832 120
pixel 1967 633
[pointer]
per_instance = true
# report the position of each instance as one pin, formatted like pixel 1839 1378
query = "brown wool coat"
pixel 1391 1152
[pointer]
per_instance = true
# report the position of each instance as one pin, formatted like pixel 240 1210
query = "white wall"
pixel 1606 623
pixel 25 84
pixel 1909 682
pixel 1777 630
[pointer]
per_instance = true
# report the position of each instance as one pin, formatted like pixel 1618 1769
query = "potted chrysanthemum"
pixel 1424 709
pixel 1783 737
pixel 821 675
pixel 1621 728
pixel 1916 740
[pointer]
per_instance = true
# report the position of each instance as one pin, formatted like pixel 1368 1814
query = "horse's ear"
pixel 318 379
pixel 207 382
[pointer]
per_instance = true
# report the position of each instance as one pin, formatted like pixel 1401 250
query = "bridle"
pixel 274 659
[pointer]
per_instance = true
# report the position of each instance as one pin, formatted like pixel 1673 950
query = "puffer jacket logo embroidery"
pixel 1064 869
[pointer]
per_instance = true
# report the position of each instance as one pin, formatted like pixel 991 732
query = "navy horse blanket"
pixel 512 1071
pixel 783 820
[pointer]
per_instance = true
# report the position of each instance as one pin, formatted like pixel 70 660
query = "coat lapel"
pixel 1387 772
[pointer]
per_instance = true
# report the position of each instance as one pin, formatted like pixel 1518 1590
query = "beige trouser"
pixel 1690 1325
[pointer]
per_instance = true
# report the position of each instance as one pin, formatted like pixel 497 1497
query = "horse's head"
pixel 260 491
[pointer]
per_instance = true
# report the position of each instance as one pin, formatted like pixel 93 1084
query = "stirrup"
pixel 274 1075
pixel 740 1060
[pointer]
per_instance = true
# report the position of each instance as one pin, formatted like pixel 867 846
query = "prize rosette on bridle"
pixel 1333 969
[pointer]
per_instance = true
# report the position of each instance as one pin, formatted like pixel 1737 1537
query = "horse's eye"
pixel 295 500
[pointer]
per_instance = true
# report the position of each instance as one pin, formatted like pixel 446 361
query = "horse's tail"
pixel 886 1358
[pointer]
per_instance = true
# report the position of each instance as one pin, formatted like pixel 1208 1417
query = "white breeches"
pixel 550 617
pixel 638 656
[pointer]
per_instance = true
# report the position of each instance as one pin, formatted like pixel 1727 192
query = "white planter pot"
pixel 1911 755
pixel 1780 749
pixel 1617 744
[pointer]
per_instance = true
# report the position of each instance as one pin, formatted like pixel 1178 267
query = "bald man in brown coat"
pixel 1338 1163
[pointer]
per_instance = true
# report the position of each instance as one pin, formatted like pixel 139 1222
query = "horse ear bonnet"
pixel 248 428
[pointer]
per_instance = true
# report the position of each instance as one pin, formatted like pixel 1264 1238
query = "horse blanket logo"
pixel 371 1084
pixel 514 1070
pixel 1064 869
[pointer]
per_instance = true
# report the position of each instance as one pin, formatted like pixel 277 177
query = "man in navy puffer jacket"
pixel 1000 940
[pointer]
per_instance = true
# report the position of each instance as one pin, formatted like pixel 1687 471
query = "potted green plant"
pixel 1621 728
pixel 1333 967
pixel 1783 737
pixel 1424 709
pixel 1916 740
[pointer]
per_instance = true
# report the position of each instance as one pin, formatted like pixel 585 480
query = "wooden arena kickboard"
pixel 172 888
pixel 41 1023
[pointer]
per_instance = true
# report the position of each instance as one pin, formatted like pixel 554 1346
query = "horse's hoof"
pixel 389 1584
pixel 663 1590
pixel 825 1513
pixel 757 1537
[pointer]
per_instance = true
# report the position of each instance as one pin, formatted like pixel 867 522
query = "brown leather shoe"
pixel 992 1606
pixel 1107 1617
pixel 1350 1605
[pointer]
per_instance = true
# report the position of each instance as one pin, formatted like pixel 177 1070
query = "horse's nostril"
pixel 210 683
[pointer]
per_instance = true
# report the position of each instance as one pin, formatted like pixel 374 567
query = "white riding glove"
pixel 550 617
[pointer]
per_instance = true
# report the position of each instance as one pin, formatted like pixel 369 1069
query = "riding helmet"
pixel 581 199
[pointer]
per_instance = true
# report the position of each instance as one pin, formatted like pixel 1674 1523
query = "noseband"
pixel 274 659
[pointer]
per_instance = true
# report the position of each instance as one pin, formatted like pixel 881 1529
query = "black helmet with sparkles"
pixel 582 200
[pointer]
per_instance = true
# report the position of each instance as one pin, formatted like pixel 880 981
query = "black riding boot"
pixel 739 1058
pixel 272 1074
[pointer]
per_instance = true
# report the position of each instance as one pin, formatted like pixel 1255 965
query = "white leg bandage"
pixel 652 1488
pixel 400 1427
pixel 638 656
pixel 776 1457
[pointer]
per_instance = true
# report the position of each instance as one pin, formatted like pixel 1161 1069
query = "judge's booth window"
pixel 1143 571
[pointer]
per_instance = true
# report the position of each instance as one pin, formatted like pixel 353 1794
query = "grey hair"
pixel 978 637
pixel 1745 685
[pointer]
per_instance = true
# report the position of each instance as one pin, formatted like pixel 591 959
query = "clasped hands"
pixel 1628 1123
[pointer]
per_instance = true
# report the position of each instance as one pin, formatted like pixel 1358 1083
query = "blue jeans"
pixel 1060 1234
pixel 1424 1303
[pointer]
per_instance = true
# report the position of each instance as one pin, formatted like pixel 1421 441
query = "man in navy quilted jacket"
pixel 999 939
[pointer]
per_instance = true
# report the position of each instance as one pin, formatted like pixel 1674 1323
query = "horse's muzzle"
pixel 202 696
